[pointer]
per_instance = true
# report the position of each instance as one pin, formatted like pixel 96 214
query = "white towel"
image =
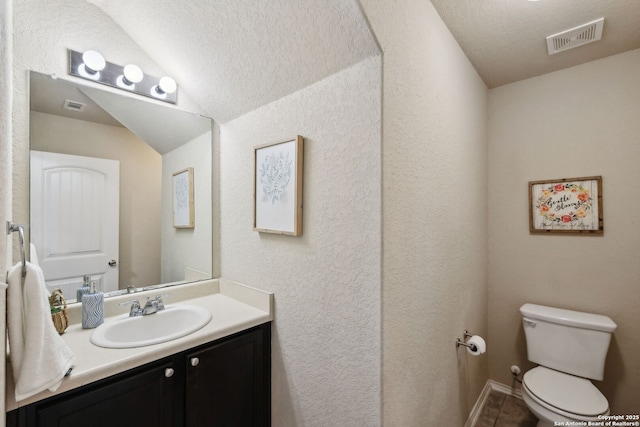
pixel 33 254
pixel 39 356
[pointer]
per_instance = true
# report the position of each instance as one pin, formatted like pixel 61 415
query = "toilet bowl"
pixel 554 397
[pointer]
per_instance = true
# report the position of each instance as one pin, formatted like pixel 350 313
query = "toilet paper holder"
pixel 460 342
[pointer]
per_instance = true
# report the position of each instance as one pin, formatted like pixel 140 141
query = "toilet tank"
pixel 567 341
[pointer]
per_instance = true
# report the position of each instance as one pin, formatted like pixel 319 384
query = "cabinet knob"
pixel 168 372
pixel 195 361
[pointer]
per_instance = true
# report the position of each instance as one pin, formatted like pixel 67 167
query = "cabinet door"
pixel 228 383
pixel 143 399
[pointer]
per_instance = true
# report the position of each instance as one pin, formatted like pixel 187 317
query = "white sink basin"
pixel 173 322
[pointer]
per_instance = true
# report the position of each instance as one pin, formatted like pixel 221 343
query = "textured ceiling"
pixel 233 56
pixel 505 39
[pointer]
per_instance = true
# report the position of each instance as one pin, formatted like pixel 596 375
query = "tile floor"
pixel 502 410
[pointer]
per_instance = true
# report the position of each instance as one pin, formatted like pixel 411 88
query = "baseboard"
pixel 502 388
pixel 489 386
pixel 477 408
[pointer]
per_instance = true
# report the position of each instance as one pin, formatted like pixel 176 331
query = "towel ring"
pixel 11 228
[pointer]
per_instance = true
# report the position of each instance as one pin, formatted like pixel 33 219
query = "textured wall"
pixel 582 121
pixel 326 336
pixel 435 216
pixel 6 63
pixel 140 186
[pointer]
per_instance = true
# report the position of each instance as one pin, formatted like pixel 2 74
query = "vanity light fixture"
pixel 91 65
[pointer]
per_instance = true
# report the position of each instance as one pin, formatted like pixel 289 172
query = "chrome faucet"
pixel 150 306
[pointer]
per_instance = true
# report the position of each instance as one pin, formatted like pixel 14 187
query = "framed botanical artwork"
pixel 278 187
pixel 569 205
pixel 183 215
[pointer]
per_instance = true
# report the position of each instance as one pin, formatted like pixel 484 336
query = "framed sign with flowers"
pixel 570 205
pixel 278 187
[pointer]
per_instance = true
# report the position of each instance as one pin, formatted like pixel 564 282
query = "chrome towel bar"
pixel 12 228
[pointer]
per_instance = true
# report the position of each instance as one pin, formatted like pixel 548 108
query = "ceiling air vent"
pixel 574 37
pixel 73 105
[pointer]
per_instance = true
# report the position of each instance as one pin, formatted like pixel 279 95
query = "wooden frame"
pixel 183 205
pixel 569 205
pixel 277 187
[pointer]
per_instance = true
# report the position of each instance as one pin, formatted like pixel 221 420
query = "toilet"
pixel 570 348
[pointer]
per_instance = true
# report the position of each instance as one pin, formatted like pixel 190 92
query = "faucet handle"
pixel 135 307
pixel 159 301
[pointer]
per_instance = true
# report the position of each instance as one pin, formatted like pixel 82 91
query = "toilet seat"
pixel 570 394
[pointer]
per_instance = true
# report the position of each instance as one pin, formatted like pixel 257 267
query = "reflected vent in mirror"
pixel 73 105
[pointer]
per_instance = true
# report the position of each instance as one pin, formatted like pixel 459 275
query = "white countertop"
pixel 234 308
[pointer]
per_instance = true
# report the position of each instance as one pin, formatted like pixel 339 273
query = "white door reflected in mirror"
pixel 74 219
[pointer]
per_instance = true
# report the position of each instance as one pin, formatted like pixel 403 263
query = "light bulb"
pixel 167 85
pixel 92 64
pixel 132 74
pixel 93 61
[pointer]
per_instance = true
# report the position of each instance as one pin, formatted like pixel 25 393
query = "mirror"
pixel 108 172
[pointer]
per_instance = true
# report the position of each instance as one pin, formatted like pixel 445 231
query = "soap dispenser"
pixel 92 307
pixel 83 289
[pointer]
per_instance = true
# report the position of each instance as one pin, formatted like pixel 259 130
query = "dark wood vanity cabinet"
pixel 223 383
pixel 140 398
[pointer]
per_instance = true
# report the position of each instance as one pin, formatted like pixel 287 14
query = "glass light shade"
pixel 93 61
pixel 133 74
pixel 167 85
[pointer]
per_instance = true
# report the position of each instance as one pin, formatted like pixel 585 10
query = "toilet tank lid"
pixel 562 316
